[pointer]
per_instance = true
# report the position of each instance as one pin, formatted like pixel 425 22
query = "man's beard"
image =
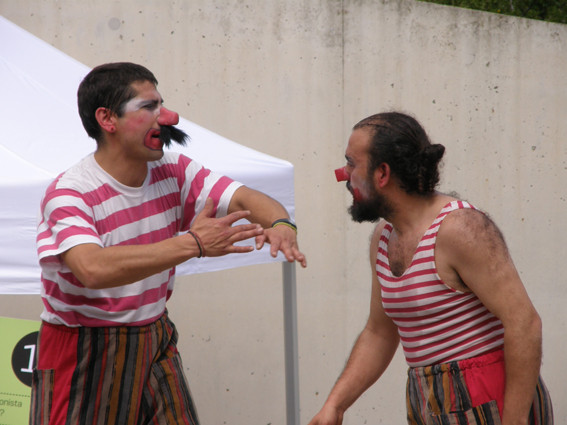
pixel 169 133
pixel 372 209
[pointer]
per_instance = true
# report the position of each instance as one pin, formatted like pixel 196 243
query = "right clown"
pixel 444 285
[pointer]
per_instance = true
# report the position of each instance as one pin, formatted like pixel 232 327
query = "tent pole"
pixel 290 343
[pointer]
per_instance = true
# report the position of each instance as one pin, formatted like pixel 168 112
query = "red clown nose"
pixel 167 117
pixel 341 174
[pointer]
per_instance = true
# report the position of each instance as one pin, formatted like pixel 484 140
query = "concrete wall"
pixel 290 79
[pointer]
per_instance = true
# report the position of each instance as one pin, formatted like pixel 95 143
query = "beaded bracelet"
pixel 199 243
pixel 286 222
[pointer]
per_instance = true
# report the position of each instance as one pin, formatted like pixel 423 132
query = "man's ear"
pixel 106 119
pixel 382 175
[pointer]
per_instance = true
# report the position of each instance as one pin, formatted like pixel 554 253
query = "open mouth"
pixel 357 196
pixel 152 140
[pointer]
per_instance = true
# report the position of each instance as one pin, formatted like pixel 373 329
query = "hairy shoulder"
pixel 470 236
pixel 471 222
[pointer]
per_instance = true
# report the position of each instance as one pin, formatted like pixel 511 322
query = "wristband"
pixel 285 222
pixel 199 243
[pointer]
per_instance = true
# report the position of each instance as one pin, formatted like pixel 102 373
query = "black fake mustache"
pixel 169 133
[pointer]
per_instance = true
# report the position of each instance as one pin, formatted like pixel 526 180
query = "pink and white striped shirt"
pixel 87 205
pixel 436 323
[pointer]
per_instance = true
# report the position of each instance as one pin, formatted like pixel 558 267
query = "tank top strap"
pixel 451 206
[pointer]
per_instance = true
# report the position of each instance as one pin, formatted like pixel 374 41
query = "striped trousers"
pixel 110 376
pixel 467 392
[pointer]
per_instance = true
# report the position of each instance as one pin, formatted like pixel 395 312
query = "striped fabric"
pixel 436 323
pixel 86 205
pixel 110 376
pixel 467 392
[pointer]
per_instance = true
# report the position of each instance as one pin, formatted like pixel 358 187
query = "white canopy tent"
pixel 43 136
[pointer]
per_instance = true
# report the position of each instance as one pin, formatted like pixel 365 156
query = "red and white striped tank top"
pixel 436 323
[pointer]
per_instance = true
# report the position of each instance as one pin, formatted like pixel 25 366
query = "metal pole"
pixel 290 343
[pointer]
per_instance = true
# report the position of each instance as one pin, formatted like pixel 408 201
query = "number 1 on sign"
pixel 32 356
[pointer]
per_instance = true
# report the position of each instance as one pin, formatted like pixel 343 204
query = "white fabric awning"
pixel 43 136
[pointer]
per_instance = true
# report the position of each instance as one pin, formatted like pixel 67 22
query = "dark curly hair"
pixel 401 142
pixel 108 86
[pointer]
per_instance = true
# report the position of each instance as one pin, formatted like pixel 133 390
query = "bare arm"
pixel 264 211
pixel 98 268
pixel 472 245
pixel 369 358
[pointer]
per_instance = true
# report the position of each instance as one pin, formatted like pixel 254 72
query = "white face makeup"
pixel 138 103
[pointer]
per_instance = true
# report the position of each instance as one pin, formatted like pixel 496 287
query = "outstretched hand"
pixel 284 239
pixel 218 235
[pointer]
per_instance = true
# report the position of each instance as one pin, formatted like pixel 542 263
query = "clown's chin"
pixel 361 212
pixel 169 133
pixel 372 209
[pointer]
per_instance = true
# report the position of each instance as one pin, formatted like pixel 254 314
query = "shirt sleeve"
pixel 200 183
pixel 65 221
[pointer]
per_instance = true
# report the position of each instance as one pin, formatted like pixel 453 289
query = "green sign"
pixel 18 344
